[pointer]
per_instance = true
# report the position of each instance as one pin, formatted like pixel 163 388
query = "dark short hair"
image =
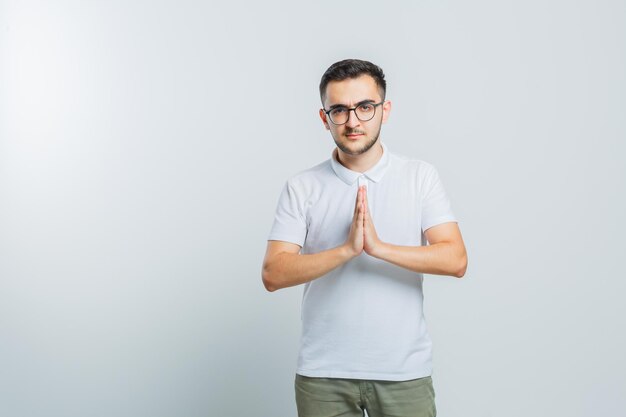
pixel 353 68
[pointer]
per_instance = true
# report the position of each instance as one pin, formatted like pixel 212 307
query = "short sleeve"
pixel 436 208
pixel 289 220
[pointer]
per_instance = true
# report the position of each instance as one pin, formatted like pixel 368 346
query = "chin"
pixel 356 148
pixel 351 148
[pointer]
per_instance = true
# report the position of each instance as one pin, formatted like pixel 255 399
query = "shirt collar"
pixel 375 173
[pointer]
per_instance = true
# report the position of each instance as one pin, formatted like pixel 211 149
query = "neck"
pixel 362 162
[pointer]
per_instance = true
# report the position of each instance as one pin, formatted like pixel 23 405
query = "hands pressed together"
pixel 445 254
pixel 362 236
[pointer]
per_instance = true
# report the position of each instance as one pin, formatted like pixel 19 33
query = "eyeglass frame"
pixel 327 112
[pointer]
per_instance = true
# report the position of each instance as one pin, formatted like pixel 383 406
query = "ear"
pixel 324 119
pixel 386 110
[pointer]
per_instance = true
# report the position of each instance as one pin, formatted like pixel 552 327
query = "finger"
pixel 360 216
pixel 367 215
pixel 358 201
pixel 360 195
pixel 365 200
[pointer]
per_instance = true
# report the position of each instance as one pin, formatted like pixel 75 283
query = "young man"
pixel 354 230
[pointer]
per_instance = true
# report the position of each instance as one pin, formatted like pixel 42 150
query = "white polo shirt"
pixel 364 319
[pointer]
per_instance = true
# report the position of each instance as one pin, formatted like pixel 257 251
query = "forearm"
pixel 290 269
pixel 439 259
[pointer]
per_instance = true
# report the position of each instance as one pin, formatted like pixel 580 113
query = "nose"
pixel 353 121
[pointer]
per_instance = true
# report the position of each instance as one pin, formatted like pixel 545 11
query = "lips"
pixel 354 136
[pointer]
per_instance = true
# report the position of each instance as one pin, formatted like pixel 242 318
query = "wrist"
pixel 379 250
pixel 347 252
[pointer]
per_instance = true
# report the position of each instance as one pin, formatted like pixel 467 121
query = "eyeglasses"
pixel 364 111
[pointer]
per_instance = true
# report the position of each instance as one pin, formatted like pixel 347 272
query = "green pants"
pixel 331 397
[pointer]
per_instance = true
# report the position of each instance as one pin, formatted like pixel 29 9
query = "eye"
pixel 366 107
pixel 337 111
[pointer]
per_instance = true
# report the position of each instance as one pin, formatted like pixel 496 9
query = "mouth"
pixel 354 135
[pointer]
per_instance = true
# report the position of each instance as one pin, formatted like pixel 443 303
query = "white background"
pixel 143 146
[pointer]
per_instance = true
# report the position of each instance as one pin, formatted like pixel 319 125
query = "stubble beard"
pixel 360 151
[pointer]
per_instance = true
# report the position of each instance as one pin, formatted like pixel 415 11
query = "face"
pixel 355 137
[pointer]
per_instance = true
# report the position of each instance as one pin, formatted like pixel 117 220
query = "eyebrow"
pixel 334 106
